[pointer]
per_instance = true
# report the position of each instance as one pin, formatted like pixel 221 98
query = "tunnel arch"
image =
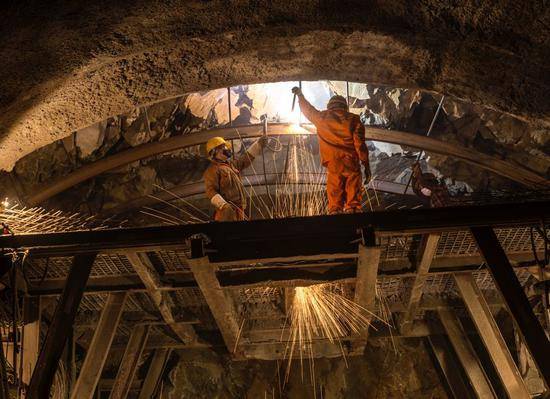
pixel 224 104
pixel 91 77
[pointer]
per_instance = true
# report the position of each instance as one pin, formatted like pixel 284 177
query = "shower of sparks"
pixel 321 312
pixel 187 212
pixel 20 220
pixel 301 189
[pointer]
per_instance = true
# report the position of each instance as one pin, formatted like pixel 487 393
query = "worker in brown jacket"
pixel 343 151
pixel 429 188
pixel 223 180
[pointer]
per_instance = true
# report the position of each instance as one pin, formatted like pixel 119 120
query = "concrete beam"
pixel 365 286
pixel 160 357
pixel 219 301
pixel 429 248
pixel 470 362
pixel 97 352
pixel 130 362
pixel 491 336
pixel 450 368
pixel 31 336
pixel 150 278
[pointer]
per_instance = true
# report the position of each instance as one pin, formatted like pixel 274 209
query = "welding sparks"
pixel 322 312
pixel 39 220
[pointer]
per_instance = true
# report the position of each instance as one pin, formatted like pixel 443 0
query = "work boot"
pixel 352 210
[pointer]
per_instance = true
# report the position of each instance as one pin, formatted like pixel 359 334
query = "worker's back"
pixel 336 129
pixel 343 150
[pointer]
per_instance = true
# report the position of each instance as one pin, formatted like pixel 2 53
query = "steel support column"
pixel 96 354
pixel 507 282
pixel 130 361
pixel 160 357
pixel 466 354
pixel 491 336
pixel 60 327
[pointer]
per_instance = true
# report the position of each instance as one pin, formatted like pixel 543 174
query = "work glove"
pixel 219 202
pixel 296 91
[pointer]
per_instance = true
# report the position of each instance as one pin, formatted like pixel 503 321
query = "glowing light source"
pixel 322 312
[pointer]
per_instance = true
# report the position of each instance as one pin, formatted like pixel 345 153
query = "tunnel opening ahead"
pixel 151 160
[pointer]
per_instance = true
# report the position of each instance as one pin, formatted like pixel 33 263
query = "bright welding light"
pixel 5 203
pixel 295 128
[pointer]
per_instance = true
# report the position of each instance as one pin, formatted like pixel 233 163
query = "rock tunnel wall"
pixel 67 66
pixel 406 371
pixel 498 135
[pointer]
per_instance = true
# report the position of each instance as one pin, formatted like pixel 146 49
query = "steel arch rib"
pixel 511 171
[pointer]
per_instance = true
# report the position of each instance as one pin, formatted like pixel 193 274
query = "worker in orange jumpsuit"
pixel 222 179
pixel 343 151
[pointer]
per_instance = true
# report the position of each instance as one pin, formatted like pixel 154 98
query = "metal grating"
pixel 390 289
pixel 170 260
pixel 396 247
pixel 461 243
pixel 111 264
pixel 189 297
pixel 59 267
pixel 50 268
pixel 443 284
pixel 93 302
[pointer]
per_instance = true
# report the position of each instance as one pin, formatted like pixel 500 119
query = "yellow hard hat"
pixel 216 142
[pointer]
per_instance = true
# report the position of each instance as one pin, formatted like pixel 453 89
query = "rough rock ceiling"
pixel 68 66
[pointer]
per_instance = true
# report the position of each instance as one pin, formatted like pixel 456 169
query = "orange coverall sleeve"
pixel 359 142
pixel 309 111
pixel 211 182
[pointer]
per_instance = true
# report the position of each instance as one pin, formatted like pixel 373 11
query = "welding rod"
pixel 427 135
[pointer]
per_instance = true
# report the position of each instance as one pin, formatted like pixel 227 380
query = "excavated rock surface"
pixel 68 66
pixel 407 372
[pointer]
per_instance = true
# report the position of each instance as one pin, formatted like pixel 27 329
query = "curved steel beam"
pixel 509 170
pixel 502 168
pixel 257 183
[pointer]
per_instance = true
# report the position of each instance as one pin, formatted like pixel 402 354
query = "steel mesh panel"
pixel 140 301
pixel 170 260
pixel 260 295
pixel 111 264
pixel 261 302
pixel 189 297
pixel 395 247
pixel 443 284
pixel 93 302
pixel 390 289
pixel 438 284
pixel 53 267
pixel 456 243
pixel 59 267
pixel 513 240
